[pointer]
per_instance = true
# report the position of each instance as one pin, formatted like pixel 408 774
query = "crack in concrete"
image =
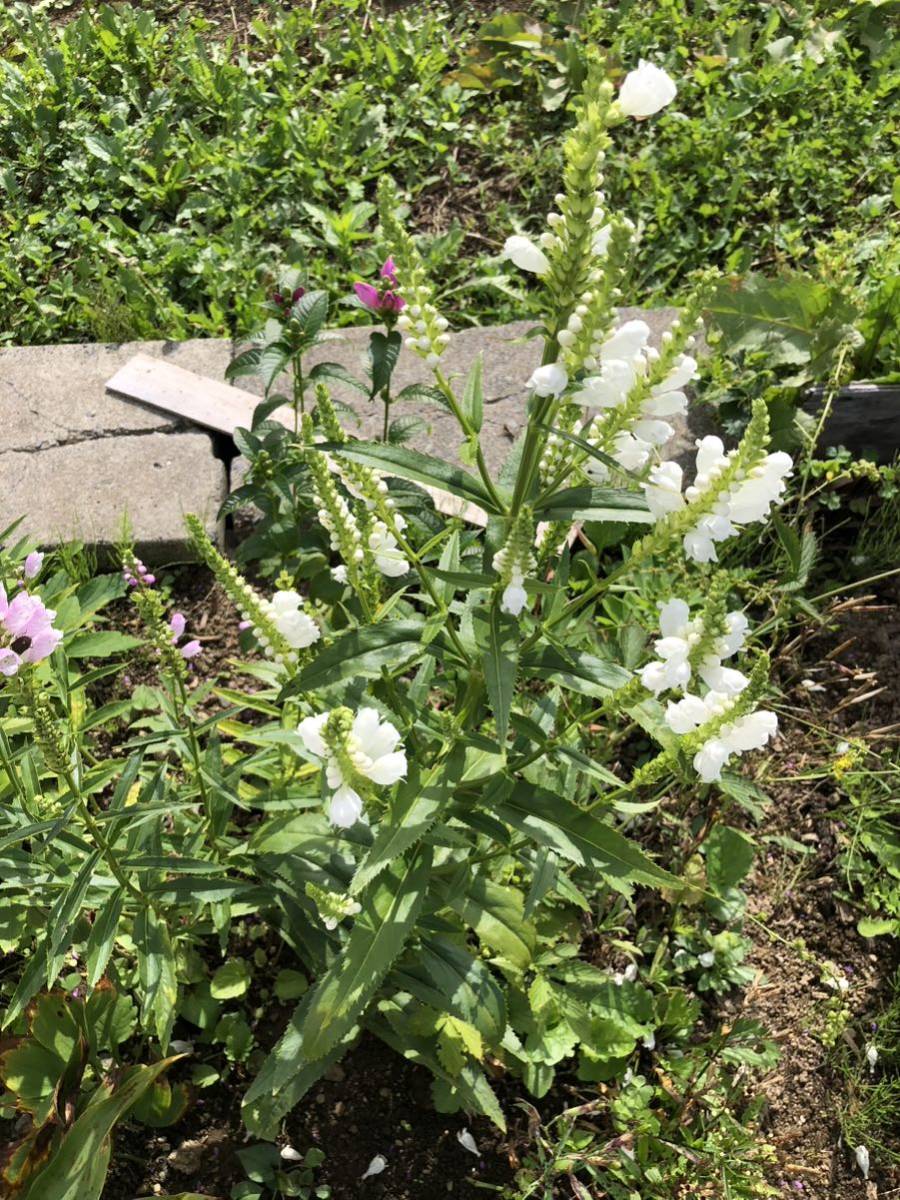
pixel 96 436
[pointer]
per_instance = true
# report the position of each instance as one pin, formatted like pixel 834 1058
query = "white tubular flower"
pixel 747 497
pixel 626 342
pixel 736 626
pixel 525 255
pixel 748 732
pixel 600 244
pixel 646 90
pixel 673 669
pixel 514 596
pixel 685 639
pixel 373 748
pixel 764 486
pixel 656 433
pixel 388 557
pixel 296 627
pixel 663 489
pixel 608 389
pixel 353 749
pixel 345 807
pixel 690 712
pixel 549 380
pixel 721 679
pixel 513 561
pixel 667 404
pixel 683 371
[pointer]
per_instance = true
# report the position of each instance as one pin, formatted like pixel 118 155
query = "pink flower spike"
pixel 33 564
pixel 178 624
pixel 191 649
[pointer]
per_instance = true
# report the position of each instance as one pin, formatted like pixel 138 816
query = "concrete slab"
pixel 82 490
pixel 56 395
pixel 509 360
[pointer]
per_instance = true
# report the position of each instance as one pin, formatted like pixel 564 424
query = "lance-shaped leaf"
pixel 412 464
pixel 594 504
pixel 576 670
pixel 285 1078
pixel 363 653
pixel 473 396
pixel 580 837
pixel 389 912
pixel 156 968
pixel 78 1168
pixel 102 937
pixel 496 912
pixel 498 638
pixel 414 809
pixel 469 1089
pixel 449 979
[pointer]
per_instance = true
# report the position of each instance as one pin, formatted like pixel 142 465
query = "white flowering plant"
pixel 473 691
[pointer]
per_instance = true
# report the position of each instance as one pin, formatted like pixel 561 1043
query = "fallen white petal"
pixel 467 1142
pixel 862 1160
pixel 375 1167
pixel 289 1154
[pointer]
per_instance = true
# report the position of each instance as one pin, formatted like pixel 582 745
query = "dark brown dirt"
pixel 852 665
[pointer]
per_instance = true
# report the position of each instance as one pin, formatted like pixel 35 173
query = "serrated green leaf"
pixel 580 837
pixel 362 653
pixel 498 638
pixel 448 978
pixel 101 643
pixel 420 468
pixel 156 968
pixel 496 912
pixel 594 504
pixel 389 912
pixel 473 395
pixel 419 801
pixel 576 670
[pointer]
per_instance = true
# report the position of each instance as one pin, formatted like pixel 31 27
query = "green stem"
pixel 106 850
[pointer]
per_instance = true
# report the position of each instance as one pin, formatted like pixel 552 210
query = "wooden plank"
pixel 223 408
pixel 203 401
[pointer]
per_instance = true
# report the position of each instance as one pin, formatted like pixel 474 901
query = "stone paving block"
pixel 56 395
pixel 82 490
pixel 509 360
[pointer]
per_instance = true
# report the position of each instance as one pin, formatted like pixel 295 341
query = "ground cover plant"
pixel 158 160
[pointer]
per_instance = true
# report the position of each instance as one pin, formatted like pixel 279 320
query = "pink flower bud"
pixel 33 564
pixel 178 624
pixel 191 649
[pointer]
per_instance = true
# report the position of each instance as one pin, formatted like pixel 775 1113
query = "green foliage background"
pixel 154 164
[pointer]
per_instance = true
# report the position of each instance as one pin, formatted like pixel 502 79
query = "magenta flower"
pixel 386 302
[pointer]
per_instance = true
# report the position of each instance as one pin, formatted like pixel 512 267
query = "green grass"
pixel 155 172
